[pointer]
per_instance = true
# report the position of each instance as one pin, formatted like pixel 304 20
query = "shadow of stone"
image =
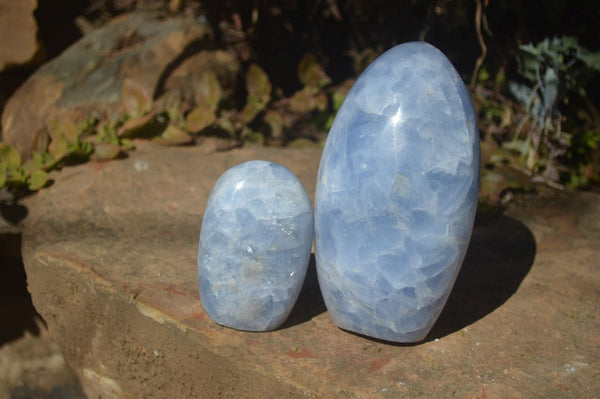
pixel 190 50
pixel 310 302
pixel 67 391
pixel 17 313
pixel 12 212
pixel 499 257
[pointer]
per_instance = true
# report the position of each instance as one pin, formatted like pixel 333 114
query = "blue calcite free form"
pixel 255 245
pixel 396 195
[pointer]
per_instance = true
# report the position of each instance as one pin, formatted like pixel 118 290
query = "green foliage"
pixel 258 86
pixel 14 174
pixel 171 121
pixel 311 74
pixel 136 99
pixel 557 70
pixel 37 179
pixel 267 114
pixel 209 92
pixel 199 119
pixel 549 134
pixel 9 156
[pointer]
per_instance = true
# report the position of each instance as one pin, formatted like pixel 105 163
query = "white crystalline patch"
pixel 571 368
pixel 140 165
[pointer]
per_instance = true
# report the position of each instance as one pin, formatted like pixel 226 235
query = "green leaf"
pixel 17 176
pixel 339 94
pixel 171 102
pixel 199 119
pixel 208 93
pixel 483 74
pixel 106 133
pixel 3 173
pixel 58 148
pixel 258 84
pixel 311 73
pixel 9 156
pixel 136 99
pixel 321 102
pixel 500 78
pixel 174 136
pixel 88 125
pixel 529 49
pixel 126 144
pixel 37 180
pixel 39 161
pixel 226 125
pixel 252 136
pixel 250 110
pixel 592 60
pixel 363 59
pixel 275 122
pixel 141 126
pixel 494 182
pixel 64 127
pixel 520 146
pixel 329 122
pixel 106 151
pixel 302 102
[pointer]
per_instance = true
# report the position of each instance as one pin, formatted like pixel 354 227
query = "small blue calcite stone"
pixel 396 195
pixel 255 246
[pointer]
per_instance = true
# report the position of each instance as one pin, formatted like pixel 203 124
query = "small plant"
pixel 171 121
pixel 267 113
pixel 556 72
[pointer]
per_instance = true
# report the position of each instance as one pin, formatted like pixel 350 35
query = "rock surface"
pixel 34 367
pixel 18 32
pixel 110 253
pixel 87 78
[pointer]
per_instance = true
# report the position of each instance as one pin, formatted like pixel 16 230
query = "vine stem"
pixel 479 61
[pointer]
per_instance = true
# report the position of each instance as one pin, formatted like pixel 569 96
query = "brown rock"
pixel 18 32
pixel 88 76
pixel 110 252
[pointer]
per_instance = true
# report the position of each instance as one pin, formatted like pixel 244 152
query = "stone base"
pixel 110 253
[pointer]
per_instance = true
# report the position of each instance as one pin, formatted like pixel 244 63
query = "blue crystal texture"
pixel 396 195
pixel 255 245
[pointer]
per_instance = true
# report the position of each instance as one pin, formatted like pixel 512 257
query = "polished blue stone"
pixel 396 195
pixel 255 245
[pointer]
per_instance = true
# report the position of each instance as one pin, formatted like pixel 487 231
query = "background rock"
pixel 88 76
pixel 18 32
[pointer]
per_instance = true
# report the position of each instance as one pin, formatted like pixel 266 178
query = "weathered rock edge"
pixel 121 351
pixel 110 251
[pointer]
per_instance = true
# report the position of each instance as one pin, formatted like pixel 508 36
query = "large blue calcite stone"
pixel 396 195
pixel 255 245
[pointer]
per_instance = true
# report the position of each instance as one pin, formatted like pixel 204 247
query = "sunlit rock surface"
pixel 396 195
pixel 255 245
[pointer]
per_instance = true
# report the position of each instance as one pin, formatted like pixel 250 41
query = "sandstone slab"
pixel 110 253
